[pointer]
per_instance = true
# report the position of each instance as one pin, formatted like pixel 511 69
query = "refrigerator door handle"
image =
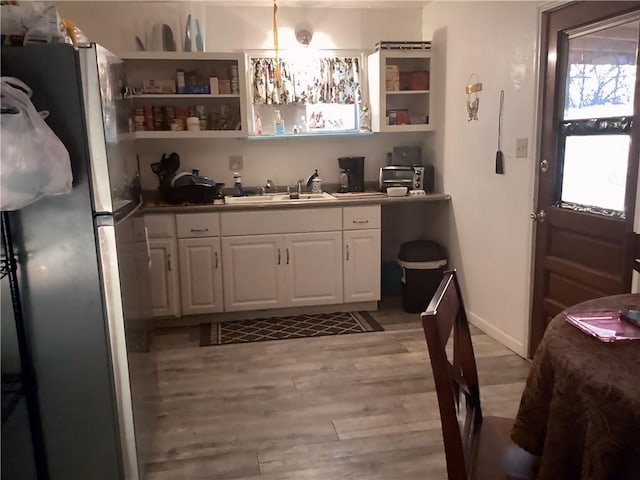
pixel 110 274
pixel 148 245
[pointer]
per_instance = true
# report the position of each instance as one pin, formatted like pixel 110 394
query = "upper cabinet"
pixel 399 90
pixel 187 94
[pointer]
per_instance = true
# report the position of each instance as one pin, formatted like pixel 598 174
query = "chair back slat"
pixel 456 381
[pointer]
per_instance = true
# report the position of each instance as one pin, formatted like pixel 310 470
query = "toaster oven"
pixel 411 177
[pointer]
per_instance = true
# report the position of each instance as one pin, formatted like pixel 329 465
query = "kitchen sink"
pixel 280 198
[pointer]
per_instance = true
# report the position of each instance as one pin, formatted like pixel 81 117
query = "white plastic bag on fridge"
pixel 34 160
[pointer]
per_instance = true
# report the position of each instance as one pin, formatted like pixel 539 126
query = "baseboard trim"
pixel 507 340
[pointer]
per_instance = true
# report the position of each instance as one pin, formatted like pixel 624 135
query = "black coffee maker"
pixel 354 168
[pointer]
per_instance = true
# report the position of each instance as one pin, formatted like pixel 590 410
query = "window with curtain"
pixel 326 80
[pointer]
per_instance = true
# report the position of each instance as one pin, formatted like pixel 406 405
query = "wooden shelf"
pixel 415 127
pixel 406 92
pixel 147 55
pixel 183 96
pixel 310 135
pixel 177 135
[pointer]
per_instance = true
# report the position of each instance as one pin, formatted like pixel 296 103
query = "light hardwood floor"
pixel 359 406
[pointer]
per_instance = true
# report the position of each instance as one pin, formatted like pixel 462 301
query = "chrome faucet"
pixel 268 187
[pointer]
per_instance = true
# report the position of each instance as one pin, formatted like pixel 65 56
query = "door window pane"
pixel 601 73
pixel 595 170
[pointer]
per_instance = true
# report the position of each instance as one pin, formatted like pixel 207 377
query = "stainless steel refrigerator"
pixel 83 266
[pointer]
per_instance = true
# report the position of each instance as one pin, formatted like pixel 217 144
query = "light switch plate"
pixel 235 162
pixel 522 147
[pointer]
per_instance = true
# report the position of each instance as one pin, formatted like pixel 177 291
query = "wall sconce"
pixel 473 102
pixel 304 35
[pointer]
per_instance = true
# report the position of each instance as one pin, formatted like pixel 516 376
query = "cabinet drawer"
pixel 161 226
pixel 282 221
pixel 192 225
pixel 360 218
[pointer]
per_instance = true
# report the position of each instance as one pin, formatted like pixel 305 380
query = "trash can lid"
pixel 421 251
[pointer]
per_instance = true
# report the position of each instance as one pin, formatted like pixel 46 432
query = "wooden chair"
pixel 474 446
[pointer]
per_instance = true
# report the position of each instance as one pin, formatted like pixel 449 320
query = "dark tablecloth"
pixel 580 410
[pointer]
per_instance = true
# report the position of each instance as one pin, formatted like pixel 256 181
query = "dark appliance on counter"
pixel 401 176
pixel 354 168
pixel 405 169
pixel 185 187
pixel 84 279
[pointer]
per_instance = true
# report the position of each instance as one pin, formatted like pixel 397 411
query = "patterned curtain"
pixel 327 80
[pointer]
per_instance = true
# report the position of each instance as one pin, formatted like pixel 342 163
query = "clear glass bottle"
pixel 278 124
pixel 258 124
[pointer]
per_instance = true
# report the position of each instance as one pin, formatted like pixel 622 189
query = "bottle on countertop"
pixel 238 191
pixel 278 124
pixel 258 124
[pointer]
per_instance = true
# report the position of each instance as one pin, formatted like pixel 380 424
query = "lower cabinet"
pixel 237 261
pixel 164 278
pixel 361 265
pixel 252 273
pixel 272 271
pixel 200 262
pixel 313 268
pixel 200 275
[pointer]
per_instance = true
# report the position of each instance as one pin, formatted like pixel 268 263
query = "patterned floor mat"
pixel 278 328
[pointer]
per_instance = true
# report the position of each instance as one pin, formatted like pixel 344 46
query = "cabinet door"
pixel 200 275
pixel 314 268
pixel 361 265
pixel 164 278
pixel 253 272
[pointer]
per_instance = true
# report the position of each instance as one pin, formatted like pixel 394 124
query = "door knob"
pixel 538 217
pixel 544 166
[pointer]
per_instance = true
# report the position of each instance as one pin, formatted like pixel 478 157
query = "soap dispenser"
pixel 278 124
pixel 238 191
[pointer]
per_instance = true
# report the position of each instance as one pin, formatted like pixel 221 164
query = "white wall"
pixel 490 231
pixel 241 29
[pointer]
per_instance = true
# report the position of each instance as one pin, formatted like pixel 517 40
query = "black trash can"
pixel 423 263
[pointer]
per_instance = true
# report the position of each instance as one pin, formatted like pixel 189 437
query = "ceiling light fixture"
pixel 304 35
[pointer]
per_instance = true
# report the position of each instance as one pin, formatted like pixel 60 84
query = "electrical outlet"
pixel 235 162
pixel 522 147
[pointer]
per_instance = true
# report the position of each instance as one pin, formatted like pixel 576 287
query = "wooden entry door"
pixel 588 163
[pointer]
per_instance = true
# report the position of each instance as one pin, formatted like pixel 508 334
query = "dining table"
pixel 580 409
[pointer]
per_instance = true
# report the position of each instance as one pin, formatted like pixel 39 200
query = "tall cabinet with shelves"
pixel 400 90
pixel 169 87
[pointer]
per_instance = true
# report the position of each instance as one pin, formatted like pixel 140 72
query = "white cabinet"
pixel 313 268
pixel 164 268
pixel 361 253
pixel 274 259
pixel 253 273
pixel 361 265
pixel 273 271
pixel 164 278
pixel 200 263
pixel 399 90
pixel 222 113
